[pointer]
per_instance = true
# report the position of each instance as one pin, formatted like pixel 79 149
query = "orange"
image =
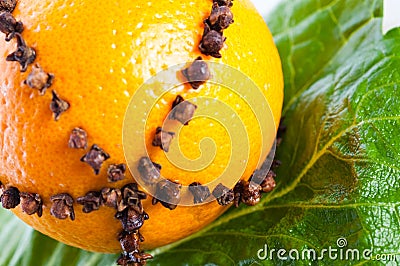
pixel 100 53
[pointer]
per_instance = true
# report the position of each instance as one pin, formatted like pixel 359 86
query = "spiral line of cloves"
pixel 248 192
pixel 198 72
pixel 212 41
pixel 167 192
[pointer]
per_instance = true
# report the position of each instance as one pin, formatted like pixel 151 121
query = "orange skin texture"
pixel 100 53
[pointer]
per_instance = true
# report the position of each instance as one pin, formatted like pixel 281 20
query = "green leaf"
pixel 23 246
pixel 339 176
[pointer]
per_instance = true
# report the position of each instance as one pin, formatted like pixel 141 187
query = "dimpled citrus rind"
pixel 100 53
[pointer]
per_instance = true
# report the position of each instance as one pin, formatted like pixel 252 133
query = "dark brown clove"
pixel 133 197
pixel 58 105
pixel 197 73
pixel 24 55
pixel 7 5
pixel 247 192
pixel 78 139
pixel 95 158
pixel 227 3
pixel 220 18
pixel 31 203
pixel 116 172
pixel 211 42
pixel 130 242
pixel 182 110
pixel 200 193
pixel 62 206
pixel 132 255
pixel 112 197
pixel 131 219
pixel 91 201
pixel 163 139
pixel 223 194
pixel 39 79
pixel 168 194
pixel 269 183
pixel 9 25
pixel 149 171
pixel 10 198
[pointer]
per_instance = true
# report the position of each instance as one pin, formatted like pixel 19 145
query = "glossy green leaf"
pixel 20 245
pixel 340 176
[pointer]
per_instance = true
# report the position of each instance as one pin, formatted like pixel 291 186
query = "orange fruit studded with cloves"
pixel 95 55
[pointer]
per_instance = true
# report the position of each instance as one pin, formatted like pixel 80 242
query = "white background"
pixel 391 16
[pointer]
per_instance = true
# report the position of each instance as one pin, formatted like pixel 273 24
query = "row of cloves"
pixel 126 201
pixel 25 55
pixel 250 192
pixel 167 192
pixel 246 192
pixel 11 197
pixel 220 18
pixel 132 218
pixel 211 42
pixel 182 111
pixel 62 206
pixel 198 72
